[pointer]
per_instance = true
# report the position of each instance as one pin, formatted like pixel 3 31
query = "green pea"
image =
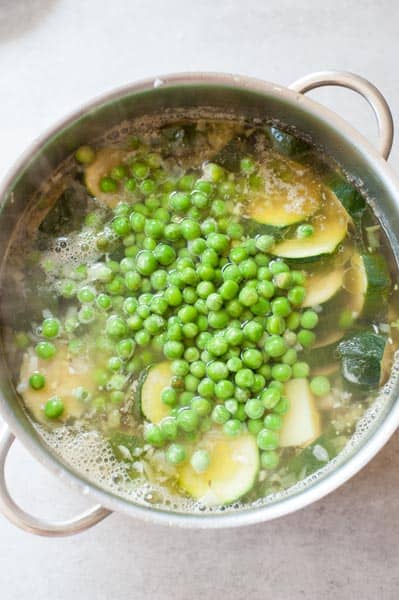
pixel 220 414
pixel 50 327
pixel 85 155
pixel 293 321
pixel 275 325
pixel 300 369
pixel 244 378
pixel 232 427
pixel 218 319
pixel 231 272
pixel 273 422
pixel 270 397
pixel 200 461
pixel 234 364
pixel 281 372
pixel 217 346
pixel 267 439
pixel 187 420
pixel 309 319
pixel 253 331
pixel 169 429
pixel 252 358
pixel 304 231
pixel 116 327
pixel 108 185
pixel 140 169
pixel 254 426
pixel 206 387
pixel 254 408
pixel 248 296
pixel 217 371
pixel 37 381
pixel 296 295
pixel 275 346
pixel 278 266
pixel 130 184
pixel 164 254
pixel 320 385
pixel 45 350
pixel 229 289
pixel 201 406
pixel 153 435
pixel 179 201
pixel 306 338
pixel 218 242
pixel 248 268
pixel 54 408
pixel 269 459
pixel 146 262
pixel 224 389
pixel 169 396
pixel 173 349
pixel 281 307
pixel 289 357
pixel 115 363
pixel 264 242
pixel 282 407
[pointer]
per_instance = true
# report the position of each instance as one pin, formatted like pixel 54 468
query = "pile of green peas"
pixel 179 279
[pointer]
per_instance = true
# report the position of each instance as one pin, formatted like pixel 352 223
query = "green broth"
pixel 200 292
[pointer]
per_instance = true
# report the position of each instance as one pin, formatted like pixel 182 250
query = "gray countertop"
pixel 55 54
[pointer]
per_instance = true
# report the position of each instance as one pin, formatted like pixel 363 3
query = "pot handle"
pixel 33 524
pixel 361 86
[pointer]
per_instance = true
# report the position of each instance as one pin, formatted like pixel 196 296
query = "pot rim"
pixel 250 515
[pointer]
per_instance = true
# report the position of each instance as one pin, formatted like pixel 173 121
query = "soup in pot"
pixel 214 301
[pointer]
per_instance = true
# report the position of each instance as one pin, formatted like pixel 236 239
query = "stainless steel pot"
pixel 237 95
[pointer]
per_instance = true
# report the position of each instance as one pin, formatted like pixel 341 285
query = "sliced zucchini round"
pixel 284 203
pixel 330 225
pixel 321 287
pixel 63 374
pixel 232 471
pixel 156 379
pixel 106 159
pixel 301 424
pixel 368 281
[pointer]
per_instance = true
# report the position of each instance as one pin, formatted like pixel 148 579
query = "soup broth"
pixel 203 310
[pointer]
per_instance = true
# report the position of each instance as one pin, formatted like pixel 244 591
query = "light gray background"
pixel 55 54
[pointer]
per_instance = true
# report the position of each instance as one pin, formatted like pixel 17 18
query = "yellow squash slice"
pixel 106 159
pixel 157 378
pixel 320 287
pixel 63 374
pixel 330 225
pixel 284 203
pixel 232 471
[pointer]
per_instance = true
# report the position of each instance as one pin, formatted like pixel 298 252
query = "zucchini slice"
pixel 321 287
pixel 369 282
pixel 330 225
pixel 63 375
pixel 232 471
pixel 156 379
pixel 283 203
pixel 301 424
pixel 350 197
pixel 106 159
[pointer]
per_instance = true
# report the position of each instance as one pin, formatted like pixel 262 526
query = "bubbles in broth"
pixel 203 313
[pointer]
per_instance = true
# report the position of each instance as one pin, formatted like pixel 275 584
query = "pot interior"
pixel 166 101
